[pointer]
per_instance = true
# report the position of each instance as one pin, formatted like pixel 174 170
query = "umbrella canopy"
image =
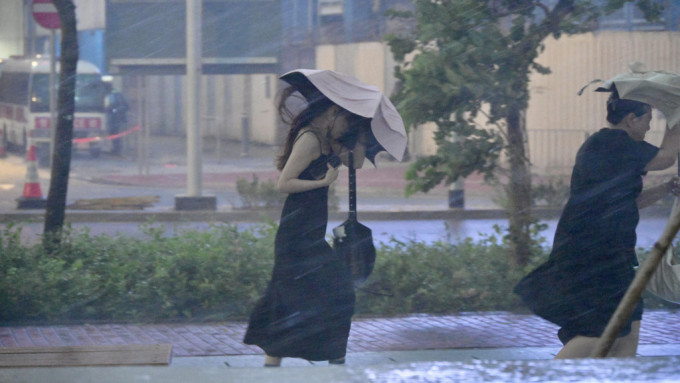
pixel 659 89
pixel 361 99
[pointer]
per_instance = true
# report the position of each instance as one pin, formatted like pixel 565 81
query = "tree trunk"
pixel 61 158
pixel 518 190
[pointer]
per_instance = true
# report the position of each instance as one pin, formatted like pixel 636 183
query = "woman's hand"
pixel 655 193
pixel 673 186
pixel 331 175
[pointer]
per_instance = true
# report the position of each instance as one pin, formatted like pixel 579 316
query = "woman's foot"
pixel 337 361
pixel 272 361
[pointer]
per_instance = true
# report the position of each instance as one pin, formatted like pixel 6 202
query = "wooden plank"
pixel 119 203
pixel 113 355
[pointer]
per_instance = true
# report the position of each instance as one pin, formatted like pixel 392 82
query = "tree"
pixel 467 61
pixel 61 158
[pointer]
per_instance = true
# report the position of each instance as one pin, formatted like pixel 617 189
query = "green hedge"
pixel 218 274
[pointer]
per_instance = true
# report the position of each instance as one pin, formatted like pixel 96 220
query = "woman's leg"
pixel 578 347
pixel 272 361
pixel 337 361
pixel 583 346
pixel 626 347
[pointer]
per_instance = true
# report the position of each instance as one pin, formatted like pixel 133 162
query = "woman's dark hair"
pixel 618 108
pixel 357 125
pixel 314 108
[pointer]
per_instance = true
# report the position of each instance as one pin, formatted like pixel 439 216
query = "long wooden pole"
pixel 634 292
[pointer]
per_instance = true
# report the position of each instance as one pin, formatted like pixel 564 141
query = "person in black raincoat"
pixel 593 258
pixel 307 308
pixel 116 110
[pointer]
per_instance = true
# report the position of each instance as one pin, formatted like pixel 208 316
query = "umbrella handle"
pixel 352 187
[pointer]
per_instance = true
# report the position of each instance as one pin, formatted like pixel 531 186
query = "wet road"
pixel 428 231
pixel 385 195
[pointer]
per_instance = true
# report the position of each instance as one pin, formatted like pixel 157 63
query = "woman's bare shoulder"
pixel 310 138
pixel 307 141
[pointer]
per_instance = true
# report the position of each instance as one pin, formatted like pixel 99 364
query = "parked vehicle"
pixel 25 106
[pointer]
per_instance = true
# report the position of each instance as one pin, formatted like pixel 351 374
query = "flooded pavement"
pixel 663 369
pixel 588 370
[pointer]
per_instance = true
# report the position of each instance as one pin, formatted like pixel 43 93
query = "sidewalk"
pixel 480 335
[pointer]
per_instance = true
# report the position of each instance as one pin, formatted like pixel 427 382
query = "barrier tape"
pixel 111 137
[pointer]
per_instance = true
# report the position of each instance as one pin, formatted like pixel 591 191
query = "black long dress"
pixel 593 259
pixel 307 308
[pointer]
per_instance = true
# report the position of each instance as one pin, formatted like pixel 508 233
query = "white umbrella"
pixel 659 89
pixel 359 98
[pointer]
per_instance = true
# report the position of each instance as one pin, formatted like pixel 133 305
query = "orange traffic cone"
pixel 32 197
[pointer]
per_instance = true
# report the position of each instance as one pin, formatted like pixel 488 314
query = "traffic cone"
pixel 32 197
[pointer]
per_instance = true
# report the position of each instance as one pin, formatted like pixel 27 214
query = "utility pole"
pixel 194 200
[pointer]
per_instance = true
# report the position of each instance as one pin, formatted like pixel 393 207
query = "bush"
pixel 219 273
pixel 554 191
pixel 413 277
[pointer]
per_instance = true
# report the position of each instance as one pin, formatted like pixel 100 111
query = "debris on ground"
pixel 118 203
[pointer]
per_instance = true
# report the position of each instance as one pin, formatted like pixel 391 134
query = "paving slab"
pixel 474 330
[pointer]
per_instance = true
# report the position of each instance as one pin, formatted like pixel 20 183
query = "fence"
pixel 553 151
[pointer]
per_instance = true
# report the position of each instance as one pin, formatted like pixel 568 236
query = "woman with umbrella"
pixel 307 308
pixel 593 259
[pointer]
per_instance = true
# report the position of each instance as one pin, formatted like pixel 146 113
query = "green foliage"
pixel 196 274
pixel 553 191
pixel 219 273
pixel 651 9
pixel 446 277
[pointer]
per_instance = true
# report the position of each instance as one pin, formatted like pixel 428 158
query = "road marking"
pixel 6 186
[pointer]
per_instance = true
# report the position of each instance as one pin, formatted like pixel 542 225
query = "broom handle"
pixel 634 292
pixel 352 187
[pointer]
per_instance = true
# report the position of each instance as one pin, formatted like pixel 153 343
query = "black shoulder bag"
pixel 352 240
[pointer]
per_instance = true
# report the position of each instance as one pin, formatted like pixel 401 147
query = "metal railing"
pixel 553 151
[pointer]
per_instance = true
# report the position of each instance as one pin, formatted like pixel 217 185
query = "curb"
pixel 266 214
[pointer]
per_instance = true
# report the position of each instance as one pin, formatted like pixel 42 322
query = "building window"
pixel 629 17
pixel 330 10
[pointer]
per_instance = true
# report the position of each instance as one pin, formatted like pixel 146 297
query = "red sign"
pixel 45 14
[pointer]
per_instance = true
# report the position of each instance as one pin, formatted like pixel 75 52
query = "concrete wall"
pixel 16 23
pixel 558 120
pixel 12 23
pixel 225 100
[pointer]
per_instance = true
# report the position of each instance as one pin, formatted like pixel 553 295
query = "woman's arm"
pixel 655 193
pixel 668 151
pixel 305 150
